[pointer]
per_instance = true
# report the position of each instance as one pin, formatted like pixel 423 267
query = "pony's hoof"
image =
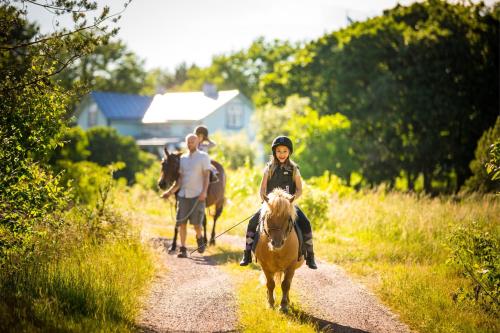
pixel 212 242
pixel 172 249
pixel 284 309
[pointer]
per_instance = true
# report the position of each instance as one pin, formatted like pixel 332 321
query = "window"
pixel 234 116
pixel 92 119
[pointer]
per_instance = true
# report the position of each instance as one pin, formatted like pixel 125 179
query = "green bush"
pixel 481 179
pixel 331 184
pixel 476 253
pixel 232 151
pixel 314 203
pixel 106 146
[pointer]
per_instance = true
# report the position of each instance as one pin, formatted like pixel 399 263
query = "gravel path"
pixel 190 295
pixel 334 302
pixel 338 304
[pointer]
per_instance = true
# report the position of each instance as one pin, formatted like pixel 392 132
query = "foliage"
pixel 106 146
pixel 232 151
pixel 240 70
pixel 159 81
pixel 481 179
pixel 77 284
pixel 476 253
pixel 32 113
pixel 272 120
pixel 322 144
pixel 331 184
pixel 110 67
pixel 314 203
pixel 493 166
pixel 417 84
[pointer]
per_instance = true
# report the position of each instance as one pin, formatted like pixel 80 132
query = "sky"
pixel 167 32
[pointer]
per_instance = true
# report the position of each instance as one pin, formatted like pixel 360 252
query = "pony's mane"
pixel 279 205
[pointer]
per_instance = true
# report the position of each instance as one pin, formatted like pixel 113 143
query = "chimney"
pixel 210 90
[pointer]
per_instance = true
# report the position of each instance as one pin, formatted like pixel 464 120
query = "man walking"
pixel 192 185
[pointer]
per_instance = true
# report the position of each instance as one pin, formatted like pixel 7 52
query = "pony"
pixel 277 249
pixel 170 165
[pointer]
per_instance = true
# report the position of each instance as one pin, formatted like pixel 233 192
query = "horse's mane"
pixel 279 205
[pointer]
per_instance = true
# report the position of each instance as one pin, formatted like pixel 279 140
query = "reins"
pixel 222 233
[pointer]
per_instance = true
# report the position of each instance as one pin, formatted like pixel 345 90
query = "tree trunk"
pixel 427 182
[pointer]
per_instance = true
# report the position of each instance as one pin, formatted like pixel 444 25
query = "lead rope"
pixel 204 244
pixel 237 224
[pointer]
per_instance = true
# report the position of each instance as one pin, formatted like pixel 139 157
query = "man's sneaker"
pixel 201 244
pixel 247 258
pixel 182 252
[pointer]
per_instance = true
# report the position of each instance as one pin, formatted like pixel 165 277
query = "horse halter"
pixel 286 233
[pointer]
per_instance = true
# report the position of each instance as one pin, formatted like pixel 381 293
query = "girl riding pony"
pixel 283 173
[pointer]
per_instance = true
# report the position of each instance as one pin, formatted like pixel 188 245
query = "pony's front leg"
pixel 285 288
pixel 270 288
pixel 205 228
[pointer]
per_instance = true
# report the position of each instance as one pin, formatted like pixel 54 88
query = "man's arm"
pixel 206 179
pixel 174 188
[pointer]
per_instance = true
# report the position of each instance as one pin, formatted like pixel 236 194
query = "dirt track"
pixel 194 295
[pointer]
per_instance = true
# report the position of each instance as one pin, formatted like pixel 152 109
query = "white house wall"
pixel 83 118
pixel 217 121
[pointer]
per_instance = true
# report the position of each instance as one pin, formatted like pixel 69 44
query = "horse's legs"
pixel 285 288
pixel 270 288
pixel 205 228
pixel 218 211
pixel 173 247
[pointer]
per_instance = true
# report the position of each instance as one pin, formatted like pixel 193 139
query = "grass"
pixel 398 244
pixel 79 284
pixel 253 311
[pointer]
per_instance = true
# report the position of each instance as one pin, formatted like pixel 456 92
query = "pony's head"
pixel 169 169
pixel 278 214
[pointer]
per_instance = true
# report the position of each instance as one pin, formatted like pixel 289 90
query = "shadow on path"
pixel 322 325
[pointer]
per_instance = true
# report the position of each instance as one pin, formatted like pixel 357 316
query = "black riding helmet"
pixel 282 141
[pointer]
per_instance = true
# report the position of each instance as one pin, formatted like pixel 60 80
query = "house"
pixel 166 119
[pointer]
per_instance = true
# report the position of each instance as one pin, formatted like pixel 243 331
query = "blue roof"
pixel 121 106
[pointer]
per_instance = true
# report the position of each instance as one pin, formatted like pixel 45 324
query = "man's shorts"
pixel 186 211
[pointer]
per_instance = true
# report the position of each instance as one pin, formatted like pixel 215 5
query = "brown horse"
pixel 170 165
pixel 278 246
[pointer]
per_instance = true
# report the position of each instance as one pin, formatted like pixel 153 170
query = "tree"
pixel 106 146
pixel 110 67
pixel 32 111
pixel 418 84
pixel 240 70
pixel 482 180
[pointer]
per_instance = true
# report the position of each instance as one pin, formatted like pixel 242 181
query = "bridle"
pixel 287 232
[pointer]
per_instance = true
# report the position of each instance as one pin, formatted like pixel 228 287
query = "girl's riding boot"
pixel 251 230
pixel 305 227
pixel 309 251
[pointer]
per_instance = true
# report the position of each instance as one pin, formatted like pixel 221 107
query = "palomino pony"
pixel 278 246
pixel 215 193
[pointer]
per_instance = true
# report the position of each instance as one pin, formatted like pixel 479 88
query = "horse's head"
pixel 277 217
pixel 169 169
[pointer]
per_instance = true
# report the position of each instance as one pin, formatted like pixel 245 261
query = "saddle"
pixel 302 248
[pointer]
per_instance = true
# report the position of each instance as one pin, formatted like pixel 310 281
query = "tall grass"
pixel 400 244
pixel 78 283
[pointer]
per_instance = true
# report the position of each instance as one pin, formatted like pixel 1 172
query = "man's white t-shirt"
pixel 192 168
